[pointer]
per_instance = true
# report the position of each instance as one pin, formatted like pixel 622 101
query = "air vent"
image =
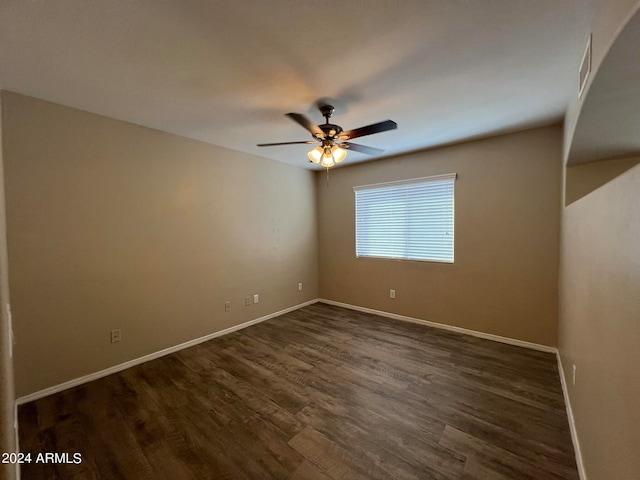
pixel 585 67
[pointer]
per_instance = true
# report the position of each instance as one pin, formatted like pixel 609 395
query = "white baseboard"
pixel 152 356
pixel 474 333
pixel 572 424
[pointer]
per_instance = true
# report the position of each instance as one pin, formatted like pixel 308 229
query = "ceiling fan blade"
pixel 307 124
pixel 369 130
pixel 362 148
pixel 284 143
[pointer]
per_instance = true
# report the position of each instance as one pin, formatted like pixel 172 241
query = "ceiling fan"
pixel 333 139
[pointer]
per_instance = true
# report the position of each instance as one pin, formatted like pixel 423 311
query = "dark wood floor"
pixel 319 393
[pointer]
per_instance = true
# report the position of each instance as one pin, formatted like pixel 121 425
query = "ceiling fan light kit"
pixel 330 152
pixel 327 155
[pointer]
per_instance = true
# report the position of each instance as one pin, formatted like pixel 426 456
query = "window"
pixel 409 219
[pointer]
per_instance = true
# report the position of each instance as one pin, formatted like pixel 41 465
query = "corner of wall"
pixel 8 422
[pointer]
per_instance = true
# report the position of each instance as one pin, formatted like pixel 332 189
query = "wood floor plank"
pixel 319 393
pixel 279 390
pixel 339 463
pixel 396 452
pixel 236 390
pixel 487 461
pixel 308 471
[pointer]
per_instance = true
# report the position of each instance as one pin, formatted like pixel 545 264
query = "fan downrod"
pixel 326 111
pixel 330 130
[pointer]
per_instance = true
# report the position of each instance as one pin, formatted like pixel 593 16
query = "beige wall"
pixel 600 324
pixel 7 432
pixel 504 280
pixel 599 331
pixel 112 225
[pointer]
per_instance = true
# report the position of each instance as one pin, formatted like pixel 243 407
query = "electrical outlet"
pixel 256 298
pixel 116 336
pixel 227 306
pixel 300 286
pixel 247 301
pixel 392 294
pixel 574 375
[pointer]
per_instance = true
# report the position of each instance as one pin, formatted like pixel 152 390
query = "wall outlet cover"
pixel 116 336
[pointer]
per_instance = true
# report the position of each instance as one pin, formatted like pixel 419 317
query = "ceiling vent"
pixel 585 67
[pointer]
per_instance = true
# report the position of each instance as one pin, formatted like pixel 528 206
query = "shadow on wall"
pixel 584 178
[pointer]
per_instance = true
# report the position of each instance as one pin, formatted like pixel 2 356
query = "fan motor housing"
pixel 330 130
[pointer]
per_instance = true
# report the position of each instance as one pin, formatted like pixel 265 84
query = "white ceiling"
pixel 226 72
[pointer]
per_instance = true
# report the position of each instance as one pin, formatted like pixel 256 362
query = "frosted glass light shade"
pixel 315 155
pixel 327 160
pixel 339 154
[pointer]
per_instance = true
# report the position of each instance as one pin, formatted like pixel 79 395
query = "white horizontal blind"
pixel 410 219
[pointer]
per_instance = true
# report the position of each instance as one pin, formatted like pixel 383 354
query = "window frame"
pixel 398 183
